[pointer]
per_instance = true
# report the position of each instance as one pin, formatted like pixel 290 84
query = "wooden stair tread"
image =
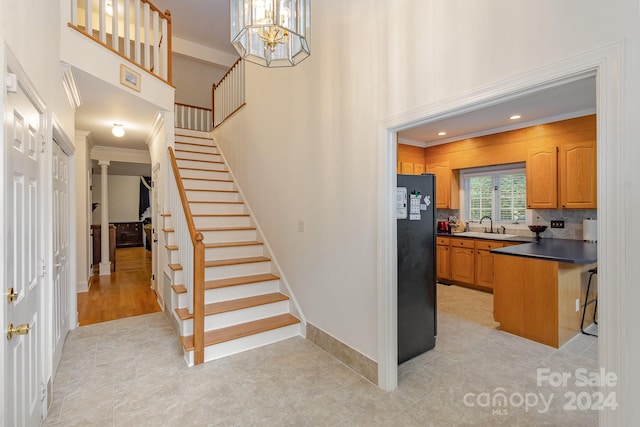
pixel 200 160
pixel 235 261
pixel 209 190
pixel 165 215
pixel 225 229
pixel 218 336
pixel 177 150
pixel 236 304
pixel 232 244
pixel 168 230
pixel 202 169
pixel 175 267
pixel 224 203
pixel 179 289
pixel 217 215
pixel 171 247
pixel 237 281
pixel 207 179
pixel 192 136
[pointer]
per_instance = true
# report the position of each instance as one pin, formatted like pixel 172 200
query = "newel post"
pixel 198 300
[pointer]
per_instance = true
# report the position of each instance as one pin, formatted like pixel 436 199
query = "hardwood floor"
pixel 124 293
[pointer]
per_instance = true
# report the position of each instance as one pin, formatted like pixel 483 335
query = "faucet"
pixel 489 218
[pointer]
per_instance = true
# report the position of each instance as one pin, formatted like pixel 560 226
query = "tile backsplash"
pixel 572 222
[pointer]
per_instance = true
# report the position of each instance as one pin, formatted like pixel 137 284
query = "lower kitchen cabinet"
pixel 462 261
pixel 443 260
pixel 484 262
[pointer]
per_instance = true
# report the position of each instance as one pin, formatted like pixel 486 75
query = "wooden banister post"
pixel 198 300
pixel 169 53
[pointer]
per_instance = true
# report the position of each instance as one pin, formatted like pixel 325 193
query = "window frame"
pixel 506 169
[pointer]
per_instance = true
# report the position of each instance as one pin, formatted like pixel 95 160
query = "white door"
pixel 61 285
pixel 23 209
pixel 155 253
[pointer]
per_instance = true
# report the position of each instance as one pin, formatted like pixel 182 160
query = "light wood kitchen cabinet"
pixel 484 262
pixel 542 178
pixel 406 168
pixel 462 261
pixel 578 175
pixel 418 168
pixel 447 190
pixel 443 261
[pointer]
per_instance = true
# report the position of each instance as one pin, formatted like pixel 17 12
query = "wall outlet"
pixel 577 304
pixel 557 223
pixel 301 226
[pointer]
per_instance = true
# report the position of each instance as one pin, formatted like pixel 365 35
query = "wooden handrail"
pixel 166 14
pixel 192 106
pixel 183 197
pixel 198 267
pixel 231 114
pixel 227 73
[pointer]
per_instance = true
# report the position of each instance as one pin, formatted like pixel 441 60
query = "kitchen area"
pixel 516 216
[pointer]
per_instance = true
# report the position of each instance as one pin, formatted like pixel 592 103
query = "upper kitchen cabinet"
pixel 406 168
pixel 447 190
pixel 542 178
pixel 578 175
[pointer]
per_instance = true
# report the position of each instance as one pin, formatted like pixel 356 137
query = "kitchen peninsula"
pixel 539 288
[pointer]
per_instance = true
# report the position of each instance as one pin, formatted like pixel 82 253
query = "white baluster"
pixel 114 26
pixel 147 37
pixel 136 30
pixel 126 21
pixel 156 43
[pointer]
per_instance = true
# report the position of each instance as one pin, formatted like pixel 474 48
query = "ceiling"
pixel 571 99
pixel 206 22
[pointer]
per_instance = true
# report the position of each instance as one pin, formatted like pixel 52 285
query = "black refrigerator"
pixel 416 223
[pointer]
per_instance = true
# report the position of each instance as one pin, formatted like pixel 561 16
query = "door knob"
pixel 12 295
pixel 18 330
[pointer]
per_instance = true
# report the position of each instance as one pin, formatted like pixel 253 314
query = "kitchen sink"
pixel 481 235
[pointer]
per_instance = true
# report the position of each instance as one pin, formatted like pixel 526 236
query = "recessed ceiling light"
pixel 118 130
pixel 515 117
pixel 442 133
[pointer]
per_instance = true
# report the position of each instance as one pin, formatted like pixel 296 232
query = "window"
pixel 497 192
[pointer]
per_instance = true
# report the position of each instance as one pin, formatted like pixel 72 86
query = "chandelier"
pixel 271 33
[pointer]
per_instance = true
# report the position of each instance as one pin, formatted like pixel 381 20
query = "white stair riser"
pixel 235 317
pixel 213 196
pixel 170 238
pixel 216 208
pixel 205 166
pixel 197 184
pixel 196 154
pixel 221 221
pixel 228 348
pixel 241 291
pixel 173 256
pixel 233 252
pixel 167 222
pixel 208 166
pixel 206 149
pixel 178 301
pixel 190 173
pixel 196 136
pixel 229 236
pixel 176 277
pixel 228 271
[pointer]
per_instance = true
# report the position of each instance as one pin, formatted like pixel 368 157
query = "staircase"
pixel 243 305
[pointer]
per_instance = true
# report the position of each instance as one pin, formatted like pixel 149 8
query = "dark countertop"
pixel 520 239
pixel 561 250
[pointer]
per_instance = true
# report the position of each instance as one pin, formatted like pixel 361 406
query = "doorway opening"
pixel 610 240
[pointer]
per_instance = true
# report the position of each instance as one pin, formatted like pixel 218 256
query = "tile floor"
pixel 130 372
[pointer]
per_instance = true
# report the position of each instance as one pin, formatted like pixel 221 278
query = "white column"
pixel 105 264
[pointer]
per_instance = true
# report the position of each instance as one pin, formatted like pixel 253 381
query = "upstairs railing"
pixel 228 94
pixel 192 117
pixel 134 29
pixel 191 246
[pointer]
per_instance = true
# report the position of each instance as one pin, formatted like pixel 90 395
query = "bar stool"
pixel 586 303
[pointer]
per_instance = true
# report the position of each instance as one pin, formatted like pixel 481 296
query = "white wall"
pixel 123 198
pixel 304 147
pixel 193 80
pixel 83 238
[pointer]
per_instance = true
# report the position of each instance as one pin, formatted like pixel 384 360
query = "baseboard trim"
pixel 345 354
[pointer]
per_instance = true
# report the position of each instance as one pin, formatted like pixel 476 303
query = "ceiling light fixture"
pixel 118 130
pixel 271 33
pixel 515 117
pixel 443 133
